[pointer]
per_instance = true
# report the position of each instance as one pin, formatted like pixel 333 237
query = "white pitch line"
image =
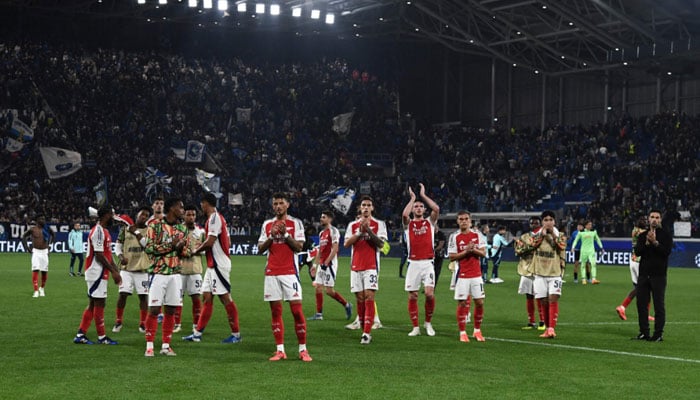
pixel 622 353
pixel 624 322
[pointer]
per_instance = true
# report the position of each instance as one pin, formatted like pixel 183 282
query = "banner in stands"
pixel 686 253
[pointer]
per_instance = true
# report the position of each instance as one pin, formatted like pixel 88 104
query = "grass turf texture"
pixel 592 355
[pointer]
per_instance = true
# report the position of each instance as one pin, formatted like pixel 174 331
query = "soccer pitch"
pixel 591 357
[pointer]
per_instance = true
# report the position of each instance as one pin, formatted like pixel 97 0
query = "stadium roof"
pixel 552 36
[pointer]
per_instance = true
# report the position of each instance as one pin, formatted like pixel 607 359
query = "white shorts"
pixel 191 284
pixel 165 290
pixel 326 278
pixel 96 286
pixel 634 271
pixel 217 280
pixel 133 280
pixel 40 260
pixel 282 287
pixel 364 280
pixel 469 286
pixel 546 286
pixel 527 285
pixel 419 272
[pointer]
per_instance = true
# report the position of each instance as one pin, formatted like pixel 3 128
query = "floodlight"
pixel 330 19
pixel 241 7
pixel 162 1
pixel 193 3
pixel 315 14
pixel 296 12
pixel 208 3
pixel 275 9
pixel 260 8
pixel 222 5
pixel 142 1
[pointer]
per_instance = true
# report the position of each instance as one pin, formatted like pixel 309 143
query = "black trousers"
pixel 653 287
pixel 437 263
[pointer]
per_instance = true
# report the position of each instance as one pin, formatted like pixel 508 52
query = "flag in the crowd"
pixel 21 131
pixel 209 182
pixel 179 153
pixel 342 122
pixel 235 199
pixel 156 181
pixel 210 162
pixel 339 198
pixel 195 151
pixel 243 114
pixel 59 162
pixel 12 145
pixel 101 197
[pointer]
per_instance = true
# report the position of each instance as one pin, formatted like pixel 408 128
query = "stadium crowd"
pixel 126 111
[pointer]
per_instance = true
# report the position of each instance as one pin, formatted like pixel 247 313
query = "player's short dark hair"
pixel 280 195
pixel 145 208
pixel 366 197
pixel 190 207
pixel 548 213
pixel 159 197
pixel 653 210
pixel 169 203
pixel 464 212
pixel 209 198
pixel 501 227
pixel 328 213
pixel 104 210
pixel 535 218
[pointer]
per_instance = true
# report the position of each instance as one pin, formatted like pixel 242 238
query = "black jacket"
pixel 654 258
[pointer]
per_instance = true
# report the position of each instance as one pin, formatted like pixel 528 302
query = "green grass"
pixel 592 356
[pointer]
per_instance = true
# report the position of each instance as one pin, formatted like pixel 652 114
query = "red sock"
pixel 361 313
pixel 44 277
pixel 86 320
pixel 35 280
pixel 142 317
pixel 553 314
pixel 151 327
pixel 196 309
pixel 462 312
pixel 168 325
pixel 205 316
pixel 299 322
pixel 99 317
pixel 277 323
pixel 340 299
pixel 530 310
pixel 429 308
pixel 413 311
pixel 541 311
pixel 120 315
pixel 232 313
pixel 626 301
pixel 545 311
pixel 369 316
pixel 178 314
pixel 478 316
pixel 319 302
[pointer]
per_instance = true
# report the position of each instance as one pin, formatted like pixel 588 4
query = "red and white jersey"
pixel 470 266
pixel 218 255
pixel 420 239
pixel 281 260
pixel 99 240
pixel 326 239
pixel 364 255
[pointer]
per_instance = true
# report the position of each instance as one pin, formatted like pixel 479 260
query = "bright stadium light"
pixel 162 1
pixel 241 7
pixel 296 12
pixel 315 14
pixel 222 5
pixel 142 1
pixel 208 3
pixel 330 19
pixel 193 3
pixel 275 9
pixel 260 8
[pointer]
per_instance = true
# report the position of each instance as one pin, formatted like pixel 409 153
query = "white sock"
pixel 149 345
pixel 280 347
pixel 165 346
pixel 302 347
